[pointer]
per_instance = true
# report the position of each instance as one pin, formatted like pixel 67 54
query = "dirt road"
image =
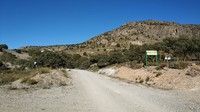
pixel 96 93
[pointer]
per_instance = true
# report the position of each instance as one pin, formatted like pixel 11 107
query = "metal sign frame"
pixel 151 53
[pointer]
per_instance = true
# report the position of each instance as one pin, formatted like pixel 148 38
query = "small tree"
pixel 3 46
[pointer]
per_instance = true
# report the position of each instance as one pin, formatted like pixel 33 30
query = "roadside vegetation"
pixel 7 76
pixel 181 49
pixel 3 47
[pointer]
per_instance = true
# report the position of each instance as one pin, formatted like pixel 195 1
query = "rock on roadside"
pixel 108 71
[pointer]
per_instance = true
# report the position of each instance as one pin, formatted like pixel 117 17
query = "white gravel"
pixel 96 93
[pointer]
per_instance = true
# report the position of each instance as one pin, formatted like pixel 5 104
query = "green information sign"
pixel 151 53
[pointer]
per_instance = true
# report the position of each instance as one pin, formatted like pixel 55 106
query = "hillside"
pixel 124 46
pixel 133 33
pixel 144 32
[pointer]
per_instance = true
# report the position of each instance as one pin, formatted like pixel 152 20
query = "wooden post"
pixel 146 59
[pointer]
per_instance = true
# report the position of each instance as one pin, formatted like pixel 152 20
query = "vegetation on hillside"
pixel 181 49
pixel 8 76
pixel 137 33
pixel 3 46
pixel 7 57
pixel 2 66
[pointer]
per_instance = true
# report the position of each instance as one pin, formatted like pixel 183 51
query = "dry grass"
pixel 9 76
pixel 46 80
pixel 43 70
pixel 30 81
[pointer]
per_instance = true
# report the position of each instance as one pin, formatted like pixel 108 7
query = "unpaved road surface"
pixel 96 93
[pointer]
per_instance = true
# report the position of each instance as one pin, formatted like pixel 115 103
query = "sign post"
pixel 151 53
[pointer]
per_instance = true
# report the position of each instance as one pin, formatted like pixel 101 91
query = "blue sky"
pixel 50 22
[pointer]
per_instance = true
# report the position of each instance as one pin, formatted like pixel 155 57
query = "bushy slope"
pixel 133 33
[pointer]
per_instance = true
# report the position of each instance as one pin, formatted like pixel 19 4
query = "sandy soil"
pixel 91 92
pixel 165 78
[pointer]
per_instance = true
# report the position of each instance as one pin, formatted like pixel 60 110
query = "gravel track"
pixel 91 92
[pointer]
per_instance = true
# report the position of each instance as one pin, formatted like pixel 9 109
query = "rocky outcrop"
pixel 145 32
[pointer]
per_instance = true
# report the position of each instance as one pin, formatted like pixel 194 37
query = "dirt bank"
pixel 165 78
pixel 55 78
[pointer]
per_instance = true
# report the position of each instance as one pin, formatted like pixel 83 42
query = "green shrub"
pixel 76 61
pixel 76 56
pixel 60 60
pixel 182 47
pixel 9 76
pixel 69 63
pixel 161 66
pixel 2 66
pixel 21 62
pixel 85 54
pixel 178 65
pixel 43 70
pixel 50 59
pixel 95 58
pixel 69 60
pixel 116 57
pixel 84 63
pixel 34 52
pixel 135 65
pixel 118 45
pixel 18 50
pixel 103 62
pixel 8 57
pixel 24 64
pixel 3 46
pixel 135 52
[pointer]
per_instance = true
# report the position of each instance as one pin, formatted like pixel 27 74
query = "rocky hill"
pixel 137 33
pixel 144 32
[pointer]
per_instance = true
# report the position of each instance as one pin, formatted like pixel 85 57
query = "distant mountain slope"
pixel 144 32
pixel 138 33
